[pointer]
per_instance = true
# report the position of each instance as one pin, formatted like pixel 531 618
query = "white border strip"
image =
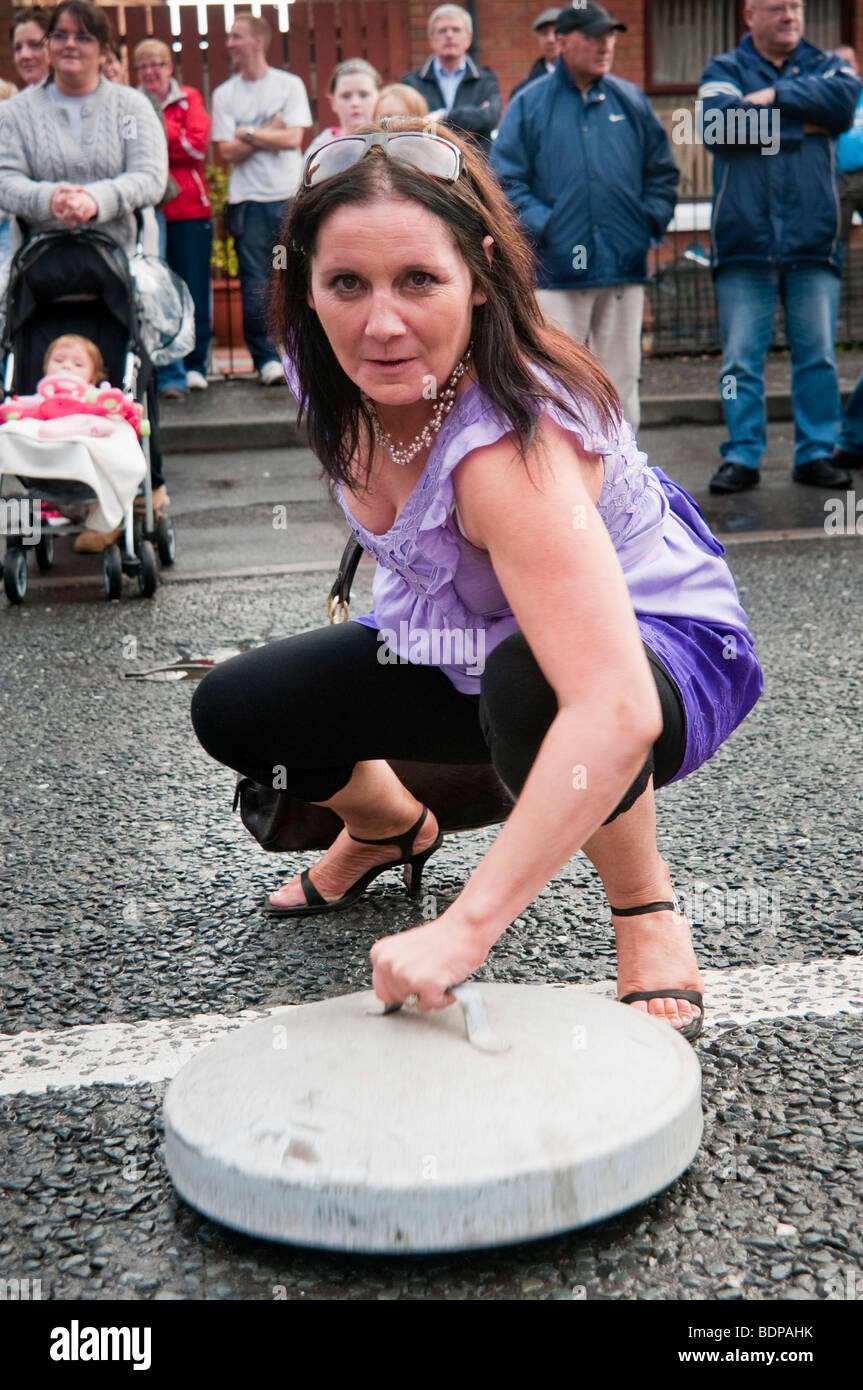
pixel 127 1054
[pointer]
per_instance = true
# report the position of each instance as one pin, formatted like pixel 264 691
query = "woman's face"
pixel 154 74
pixel 75 54
pixel 394 296
pixel 112 68
pixel 353 101
pixel 29 52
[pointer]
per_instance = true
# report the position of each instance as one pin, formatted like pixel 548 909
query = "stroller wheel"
pixel 112 571
pixel 15 574
pixel 45 552
pixel 165 541
pixel 148 574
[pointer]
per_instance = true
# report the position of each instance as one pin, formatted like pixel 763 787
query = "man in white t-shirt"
pixel 259 116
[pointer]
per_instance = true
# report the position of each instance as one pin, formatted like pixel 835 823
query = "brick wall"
pixel 507 43
pixel 418 13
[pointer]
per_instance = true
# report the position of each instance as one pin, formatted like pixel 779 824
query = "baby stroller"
pixel 79 281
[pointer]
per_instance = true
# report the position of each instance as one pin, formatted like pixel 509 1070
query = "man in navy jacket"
pixel 772 109
pixel 543 27
pixel 589 169
pixel 458 92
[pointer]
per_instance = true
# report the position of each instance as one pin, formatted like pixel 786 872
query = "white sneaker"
pixel 196 381
pixel 272 374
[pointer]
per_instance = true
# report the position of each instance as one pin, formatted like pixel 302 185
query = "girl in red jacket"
pixel 189 231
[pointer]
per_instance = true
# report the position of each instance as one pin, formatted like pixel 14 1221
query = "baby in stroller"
pixel 73 399
pixel 73 291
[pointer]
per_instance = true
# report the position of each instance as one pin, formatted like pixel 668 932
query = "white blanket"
pixel 112 466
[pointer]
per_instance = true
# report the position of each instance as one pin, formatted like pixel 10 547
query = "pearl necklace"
pixel 446 401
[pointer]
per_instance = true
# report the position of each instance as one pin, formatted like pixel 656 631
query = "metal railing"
pixel 680 308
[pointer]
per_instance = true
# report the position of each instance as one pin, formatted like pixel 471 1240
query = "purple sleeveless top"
pixel 430 579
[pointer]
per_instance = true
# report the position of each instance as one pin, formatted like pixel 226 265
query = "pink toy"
pixel 60 384
pixel 61 395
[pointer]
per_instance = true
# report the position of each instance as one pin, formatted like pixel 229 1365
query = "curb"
pixel 200 437
pixel 703 410
pixel 207 436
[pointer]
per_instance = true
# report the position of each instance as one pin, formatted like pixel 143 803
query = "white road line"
pixel 125 1054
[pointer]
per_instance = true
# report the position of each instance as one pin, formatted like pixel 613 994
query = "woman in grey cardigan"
pixel 78 150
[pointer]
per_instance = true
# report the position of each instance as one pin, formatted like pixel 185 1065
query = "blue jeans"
pixel 746 297
pixel 188 244
pixel 851 434
pixel 255 229
pixel 160 224
pixel 5 240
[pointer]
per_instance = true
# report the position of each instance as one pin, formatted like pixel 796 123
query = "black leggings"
pixel 299 713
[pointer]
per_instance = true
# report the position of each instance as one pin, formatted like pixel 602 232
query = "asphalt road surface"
pixel 131 896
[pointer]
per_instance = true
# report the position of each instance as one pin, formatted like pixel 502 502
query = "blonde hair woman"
pixel 398 99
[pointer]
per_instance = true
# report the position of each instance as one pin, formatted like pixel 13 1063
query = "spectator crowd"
pixel 579 152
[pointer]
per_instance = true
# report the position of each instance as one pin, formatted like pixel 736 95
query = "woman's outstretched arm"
pixel 558 568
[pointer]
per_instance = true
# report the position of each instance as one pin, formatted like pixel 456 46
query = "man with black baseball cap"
pixel 591 20
pixel 543 27
pixel 589 169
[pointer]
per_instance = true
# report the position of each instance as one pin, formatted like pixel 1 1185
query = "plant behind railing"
pixel 223 256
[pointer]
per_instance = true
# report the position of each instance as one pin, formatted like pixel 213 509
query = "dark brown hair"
pixel 90 17
pixel 509 332
pixel 34 14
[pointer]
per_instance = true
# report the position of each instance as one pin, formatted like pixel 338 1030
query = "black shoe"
pixel 692 996
pixel 734 477
pixel 843 460
pixel 821 473
pixel 414 865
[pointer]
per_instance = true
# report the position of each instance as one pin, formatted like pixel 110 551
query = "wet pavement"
pixel 236 512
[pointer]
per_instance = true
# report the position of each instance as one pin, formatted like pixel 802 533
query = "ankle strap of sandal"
pixel 404 841
pixel 647 907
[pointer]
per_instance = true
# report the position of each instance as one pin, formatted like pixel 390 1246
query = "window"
pixel 682 35
pixel 827 23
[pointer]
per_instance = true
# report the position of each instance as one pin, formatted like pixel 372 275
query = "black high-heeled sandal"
pixel 693 1029
pixel 413 872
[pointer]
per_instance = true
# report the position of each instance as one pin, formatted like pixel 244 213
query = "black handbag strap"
pixel 340 594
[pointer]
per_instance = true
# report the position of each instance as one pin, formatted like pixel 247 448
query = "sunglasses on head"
pixel 419 149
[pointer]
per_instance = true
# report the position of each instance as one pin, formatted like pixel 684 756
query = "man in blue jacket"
pixel 589 169
pixel 772 109
pixel 543 27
